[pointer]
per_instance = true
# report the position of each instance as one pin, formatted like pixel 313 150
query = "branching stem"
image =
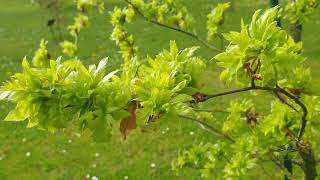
pixel 276 90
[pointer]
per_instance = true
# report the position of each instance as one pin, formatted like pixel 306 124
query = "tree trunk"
pixel 296 28
pixel 287 162
pixel 232 5
pixel 296 31
pixel 309 162
pixel 57 12
pixel 274 3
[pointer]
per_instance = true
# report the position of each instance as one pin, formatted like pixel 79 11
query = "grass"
pixel 70 154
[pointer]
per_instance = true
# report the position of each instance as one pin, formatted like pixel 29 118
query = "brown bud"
pixel 198 97
pixel 251 116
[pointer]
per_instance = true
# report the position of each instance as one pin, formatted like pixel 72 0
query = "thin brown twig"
pixel 209 127
pixel 211 110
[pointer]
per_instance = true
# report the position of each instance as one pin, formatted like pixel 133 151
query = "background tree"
pixel 54 23
pixel 298 12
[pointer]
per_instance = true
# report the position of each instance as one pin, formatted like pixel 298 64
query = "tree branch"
pixel 283 100
pixel 303 107
pixel 211 110
pixel 194 36
pixel 276 90
pixel 209 127
pixel 274 159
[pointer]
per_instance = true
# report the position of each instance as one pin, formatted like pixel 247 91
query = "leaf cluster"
pixel 300 11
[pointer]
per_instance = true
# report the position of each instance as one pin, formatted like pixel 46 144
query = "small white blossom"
pixel 126 177
pixel 87 176
pixel 24 140
pixel 94 165
pixel 94 178
pixel 163 132
pixel 77 134
pixel 191 133
pixel 168 129
pixel 69 141
pixel 64 151
pixel 153 165
pixel 97 154
pixel 1 158
pixel 28 154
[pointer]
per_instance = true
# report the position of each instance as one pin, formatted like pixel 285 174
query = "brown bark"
pixel 296 31
pixel 309 162
pixel 296 28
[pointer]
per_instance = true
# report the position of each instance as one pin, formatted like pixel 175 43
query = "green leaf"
pixel 41 56
pixel 261 51
pixel 101 67
pixel 109 76
pixel 215 20
pixel 20 113
pixel 182 98
pixel 180 86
